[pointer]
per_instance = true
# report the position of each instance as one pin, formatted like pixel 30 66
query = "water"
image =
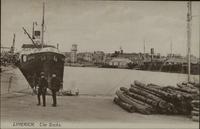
pixel 104 81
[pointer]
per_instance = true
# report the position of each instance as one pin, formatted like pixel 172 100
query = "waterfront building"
pixel 120 62
pixel 98 57
pixel 107 58
pixel 181 60
pixel 4 51
pixel 85 57
pixel 74 53
pixel 67 57
pixel 88 56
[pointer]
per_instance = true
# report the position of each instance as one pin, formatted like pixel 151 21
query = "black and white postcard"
pixel 100 64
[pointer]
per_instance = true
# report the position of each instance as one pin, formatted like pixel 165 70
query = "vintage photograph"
pixel 100 64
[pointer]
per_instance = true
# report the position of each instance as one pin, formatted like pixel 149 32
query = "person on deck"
pixel 55 86
pixel 43 84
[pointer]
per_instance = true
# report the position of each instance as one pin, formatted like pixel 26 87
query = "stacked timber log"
pixel 195 102
pixel 154 99
pixel 195 110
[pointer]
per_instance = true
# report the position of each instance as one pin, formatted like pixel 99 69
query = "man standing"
pixel 43 84
pixel 34 83
pixel 55 86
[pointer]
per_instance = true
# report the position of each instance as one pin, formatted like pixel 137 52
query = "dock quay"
pixel 13 82
pixel 17 106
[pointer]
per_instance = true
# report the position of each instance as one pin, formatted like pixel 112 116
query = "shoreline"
pixel 127 69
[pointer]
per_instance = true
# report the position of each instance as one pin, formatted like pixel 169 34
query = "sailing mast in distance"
pixel 12 49
pixel 42 40
pixel 144 46
pixel 199 37
pixel 171 49
pixel 189 18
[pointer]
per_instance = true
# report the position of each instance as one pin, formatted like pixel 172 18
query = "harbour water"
pixel 105 81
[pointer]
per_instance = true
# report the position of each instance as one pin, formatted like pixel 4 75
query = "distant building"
pixel 85 57
pixel 98 57
pixel 74 53
pixel 88 56
pixel 183 60
pixel 120 62
pixel 4 51
pixel 107 58
pixel 67 57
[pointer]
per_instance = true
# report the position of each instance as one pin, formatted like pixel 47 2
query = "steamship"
pixel 39 57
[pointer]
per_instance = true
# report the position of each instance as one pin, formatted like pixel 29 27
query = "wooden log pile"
pixel 195 110
pixel 154 99
pixel 195 102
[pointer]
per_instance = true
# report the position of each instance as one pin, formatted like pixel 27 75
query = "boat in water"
pixel 39 57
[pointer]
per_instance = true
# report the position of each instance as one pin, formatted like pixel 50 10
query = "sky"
pixel 103 25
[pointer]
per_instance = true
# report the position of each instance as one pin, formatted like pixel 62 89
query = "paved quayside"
pixel 17 106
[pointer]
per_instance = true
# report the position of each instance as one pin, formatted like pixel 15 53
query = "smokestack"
pixel 57 46
pixel 13 45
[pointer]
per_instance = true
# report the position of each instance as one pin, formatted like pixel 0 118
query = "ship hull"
pixel 48 62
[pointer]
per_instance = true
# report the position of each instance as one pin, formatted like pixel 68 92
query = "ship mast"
pixel 199 33
pixel 33 32
pixel 171 48
pixel 30 37
pixel 13 45
pixel 42 40
pixel 144 46
pixel 189 18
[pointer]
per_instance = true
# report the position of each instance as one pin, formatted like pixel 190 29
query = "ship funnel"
pixel 12 49
pixel 57 46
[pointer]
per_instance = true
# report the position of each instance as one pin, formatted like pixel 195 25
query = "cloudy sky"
pixel 103 25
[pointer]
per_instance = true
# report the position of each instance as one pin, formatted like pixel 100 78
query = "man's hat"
pixel 42 73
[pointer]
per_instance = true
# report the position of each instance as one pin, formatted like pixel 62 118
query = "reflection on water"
pixel 102 81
